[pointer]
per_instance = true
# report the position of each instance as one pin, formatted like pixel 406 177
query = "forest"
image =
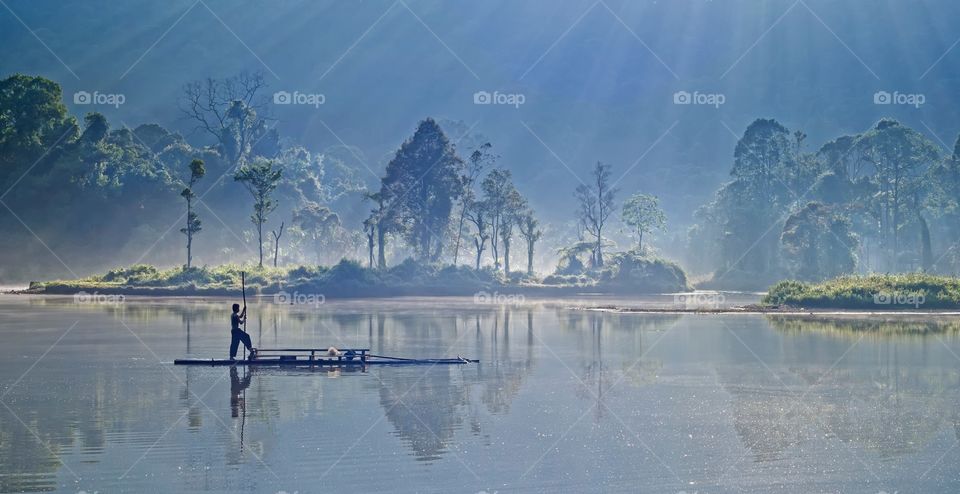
pixel 881 201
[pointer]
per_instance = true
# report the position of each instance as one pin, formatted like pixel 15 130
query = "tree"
pixel 197 171
pixel 319 223
pixel 34 124
pixel 500 201
pixel 420 186
pixel 818 244
pixel 276 243
pixel 642 214
pixel 229 110
pixel 382 220
pixel 477 214
pixel 260 179
pixel 596 205
pixel 370 230
pixel 902 157
pixel 530 230
pixel 515 205
pixel 480 158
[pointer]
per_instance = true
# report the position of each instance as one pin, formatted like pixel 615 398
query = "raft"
pixel 322 357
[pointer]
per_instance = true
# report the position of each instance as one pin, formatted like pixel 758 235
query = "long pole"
pixel 243 290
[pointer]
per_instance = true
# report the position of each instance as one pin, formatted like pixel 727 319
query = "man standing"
pixel 238 335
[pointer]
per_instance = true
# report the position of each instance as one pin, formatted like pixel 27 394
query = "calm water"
pixel 563 400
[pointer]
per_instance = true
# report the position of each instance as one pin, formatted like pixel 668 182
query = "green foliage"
pixel 634 271
pixel 642 214
pixel 877 292
pixel 260 179
pixel 421 183
pixel 818 244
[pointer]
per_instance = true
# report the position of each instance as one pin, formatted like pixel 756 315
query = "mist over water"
pixel 561 400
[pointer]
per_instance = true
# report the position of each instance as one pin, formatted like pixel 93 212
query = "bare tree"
pixel 596 205
pixel 231 110
pixel 276 243
pixel 531 232
pixel 480 158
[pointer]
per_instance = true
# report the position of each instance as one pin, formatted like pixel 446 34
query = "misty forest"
pixel 447 206
pixel 684 246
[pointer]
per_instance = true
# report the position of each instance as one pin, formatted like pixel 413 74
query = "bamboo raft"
pixel 320 357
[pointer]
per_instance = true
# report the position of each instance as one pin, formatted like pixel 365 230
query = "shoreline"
pixel 780 311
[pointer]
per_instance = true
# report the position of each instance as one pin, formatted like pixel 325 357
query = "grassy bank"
pixel 351 279
pixel 874 292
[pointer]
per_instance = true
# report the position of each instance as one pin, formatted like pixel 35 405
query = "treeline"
pixel 93 195
pixel 82 195
pixel 884 200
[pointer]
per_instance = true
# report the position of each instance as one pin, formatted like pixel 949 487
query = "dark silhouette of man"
pixel 238 335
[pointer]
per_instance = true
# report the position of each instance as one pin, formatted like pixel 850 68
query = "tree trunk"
pixel 926 251
pixel 480 246
pixel 260 241
pixel 599 253
pixel 381 239
pixel 189 234
pixel 456 245
pixel 530 245
pixel 370 244
pixel 506 256
pixel 276 244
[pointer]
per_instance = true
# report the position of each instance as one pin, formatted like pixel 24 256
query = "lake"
pixel 562 400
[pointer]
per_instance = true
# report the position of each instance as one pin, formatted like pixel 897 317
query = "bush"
pixel 634 271
pixel 878 292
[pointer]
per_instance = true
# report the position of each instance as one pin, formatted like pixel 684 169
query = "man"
pixel 237 335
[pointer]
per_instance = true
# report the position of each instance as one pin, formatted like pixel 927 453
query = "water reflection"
pixel 886 389
pixel 883 389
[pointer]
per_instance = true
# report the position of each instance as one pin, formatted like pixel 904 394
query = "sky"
pixel 659 89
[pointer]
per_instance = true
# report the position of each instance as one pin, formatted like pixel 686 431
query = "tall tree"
pixel 370 231
pixel 642 214
pixel 382 221
pixel 276 243
pixel 421 184
pixel 530 230
pixel 818 243
pixel 512 216
pixel 596 201
pixel 318 223
pixel 480 159
pixel 261 179
pixel 477 214
pixel 499 198
pixel 197 171
pixel 901 156
pixel 230 110
pixel 34 124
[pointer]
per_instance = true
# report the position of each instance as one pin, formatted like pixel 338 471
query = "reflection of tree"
pixel 435 408
pixel 426 413
pixel 504 376
pixel 110 400
pixel 905 326
pixel 894 405
pixel 605 338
